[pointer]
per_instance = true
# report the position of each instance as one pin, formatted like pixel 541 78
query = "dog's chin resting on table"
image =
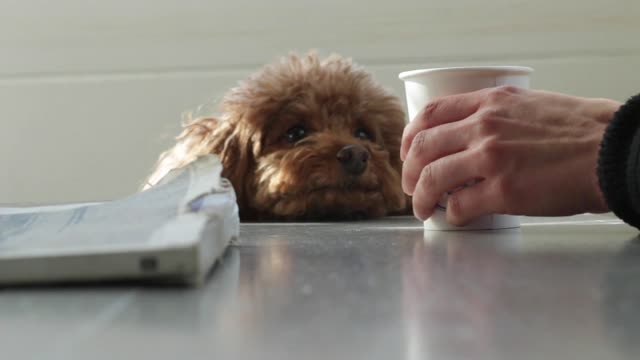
pixel 303 139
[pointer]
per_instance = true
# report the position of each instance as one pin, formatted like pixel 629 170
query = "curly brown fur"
pixel 280 172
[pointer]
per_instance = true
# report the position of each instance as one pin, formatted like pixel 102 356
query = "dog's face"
pixel 305 139
pixel 322 141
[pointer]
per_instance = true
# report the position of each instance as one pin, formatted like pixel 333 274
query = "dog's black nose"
pixel 354 159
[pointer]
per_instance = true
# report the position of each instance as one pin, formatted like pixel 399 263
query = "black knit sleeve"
pixel 619 163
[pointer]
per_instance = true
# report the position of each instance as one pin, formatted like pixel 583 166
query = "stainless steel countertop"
pixel 564 288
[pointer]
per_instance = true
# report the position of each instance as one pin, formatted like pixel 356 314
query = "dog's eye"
pixel 296 133
pixel 362 133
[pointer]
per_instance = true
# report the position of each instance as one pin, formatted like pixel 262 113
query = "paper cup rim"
pixel 506 70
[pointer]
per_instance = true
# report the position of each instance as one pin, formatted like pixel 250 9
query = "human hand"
pixel 532 152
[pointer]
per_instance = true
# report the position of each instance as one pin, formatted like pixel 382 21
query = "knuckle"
pixel 427 177
pixel 492 147
pixel 491 156
pixel 501 93
pixel 419 141
pixel 431 110
pixel 487 122
pixel 509 89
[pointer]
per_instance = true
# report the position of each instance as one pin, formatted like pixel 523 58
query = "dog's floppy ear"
pixel 391 127
pixel 203 136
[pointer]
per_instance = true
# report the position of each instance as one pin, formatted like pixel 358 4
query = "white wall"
pixel 92 90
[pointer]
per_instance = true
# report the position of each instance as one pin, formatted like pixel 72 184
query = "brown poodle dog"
pixel 303 139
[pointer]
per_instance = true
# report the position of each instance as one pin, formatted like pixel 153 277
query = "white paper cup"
pixel 421 86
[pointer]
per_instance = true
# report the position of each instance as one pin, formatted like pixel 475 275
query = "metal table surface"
pixel 564 288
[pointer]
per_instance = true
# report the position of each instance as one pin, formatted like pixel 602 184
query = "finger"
pixel 430 145
pixel 439 111
pixel 439 177
pixel 469 203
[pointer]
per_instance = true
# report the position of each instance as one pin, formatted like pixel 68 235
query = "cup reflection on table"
pixel 451 282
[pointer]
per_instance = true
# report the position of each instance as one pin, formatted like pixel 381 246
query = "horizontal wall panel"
pixel 41 37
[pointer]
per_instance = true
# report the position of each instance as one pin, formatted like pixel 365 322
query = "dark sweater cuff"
pixel 619 163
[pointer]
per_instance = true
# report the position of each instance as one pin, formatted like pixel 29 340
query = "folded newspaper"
pixel 175 231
